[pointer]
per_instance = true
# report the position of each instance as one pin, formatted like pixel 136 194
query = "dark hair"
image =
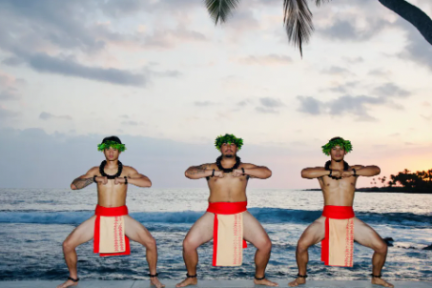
pixel 336 138
pixel 112 138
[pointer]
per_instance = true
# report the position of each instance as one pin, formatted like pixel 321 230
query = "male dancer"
pixel 227 221
pixel 338 227
pixel 111 226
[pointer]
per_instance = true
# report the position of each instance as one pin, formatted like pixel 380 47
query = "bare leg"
pixel 83 233
pixel 312 235
pixel 138 233
pixel 255 233
pixel 200 233
pixel 366 236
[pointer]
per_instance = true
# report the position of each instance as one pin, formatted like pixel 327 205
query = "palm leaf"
pixel 220 9
pixel 298 22
pixel 319 2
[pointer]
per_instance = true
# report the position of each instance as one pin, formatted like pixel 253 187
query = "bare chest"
pixel 228 181
pixel 344 184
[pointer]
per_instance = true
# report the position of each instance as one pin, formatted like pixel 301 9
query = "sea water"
pixel 34 223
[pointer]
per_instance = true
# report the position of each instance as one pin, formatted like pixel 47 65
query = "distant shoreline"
pixel 382 190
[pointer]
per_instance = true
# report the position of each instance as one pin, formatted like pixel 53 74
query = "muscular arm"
pixel 138 179
pixel 84 180
pixel 197 172
pixel 367 171
pixel 260 172
pixel 317 172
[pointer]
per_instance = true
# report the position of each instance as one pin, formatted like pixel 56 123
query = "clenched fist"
pixel 101 180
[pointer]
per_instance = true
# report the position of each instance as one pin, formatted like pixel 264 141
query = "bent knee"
pixel 380 247
pixel 150 243
pixel 264 245
pixel 68 245
pixel 302 246
pixel 190 244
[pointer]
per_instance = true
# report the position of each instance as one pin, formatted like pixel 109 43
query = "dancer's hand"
pixel 336 174
pixel 238 172
pixel 102 180
pixel 119 180
pixel 219 174
pixel 346 174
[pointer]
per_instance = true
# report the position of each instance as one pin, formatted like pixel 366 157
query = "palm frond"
pixel 319 2
pixel 298 22
pixel 220 9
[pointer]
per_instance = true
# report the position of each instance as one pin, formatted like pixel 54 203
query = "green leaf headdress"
pixel 345 144
pixel 229 139
pixel 113 142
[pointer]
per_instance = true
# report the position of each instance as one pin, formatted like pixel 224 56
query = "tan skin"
pixel 227 187
pixel 111 193
pixel 340 192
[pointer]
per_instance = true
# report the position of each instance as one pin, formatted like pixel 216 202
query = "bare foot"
pixel 265 282
pixel 379 281
pixel 188 281
pixel 68 283
pixel 155 282
pixel 298 281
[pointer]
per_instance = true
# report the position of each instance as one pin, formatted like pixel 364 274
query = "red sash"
pixel 224 208
pixel 346 244
pixel 109 212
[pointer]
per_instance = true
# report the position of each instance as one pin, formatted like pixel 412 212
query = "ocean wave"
pixel 264 215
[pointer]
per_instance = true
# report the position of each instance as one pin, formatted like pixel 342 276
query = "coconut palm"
pixel 298 18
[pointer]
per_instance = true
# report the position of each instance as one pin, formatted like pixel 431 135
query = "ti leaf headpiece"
pixel 228 139
pixel 345 144
pixel 109 143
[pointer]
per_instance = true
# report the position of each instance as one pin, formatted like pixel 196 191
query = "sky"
pixel 167 81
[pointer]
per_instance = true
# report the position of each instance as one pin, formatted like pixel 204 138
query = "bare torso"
pixel 338 192
pixel 229 188
pixel 111 194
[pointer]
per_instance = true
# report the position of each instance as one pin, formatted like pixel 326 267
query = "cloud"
pixel 344 88
pixel 9 94
pixel 40 35
pixel 378 72
pixel 391 90
pixel 69 67
pixel 271 102
pixel 168 73
pixel 335 70
pixel 164 38
pixel 49 116
pixel 132 123
pixel 12 61
pixel 271 59
pixel 417 49
pixel 354 105
pixel 269 105
pixel 354 60
pixel 6 114
pixel 347 30
pixel 244 103
pixel 9 86
pixel 310 105
pixel 204 103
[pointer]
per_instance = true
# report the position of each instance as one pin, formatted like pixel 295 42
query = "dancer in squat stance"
pixel 111 226
pixel 338 227
pixel 227 220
